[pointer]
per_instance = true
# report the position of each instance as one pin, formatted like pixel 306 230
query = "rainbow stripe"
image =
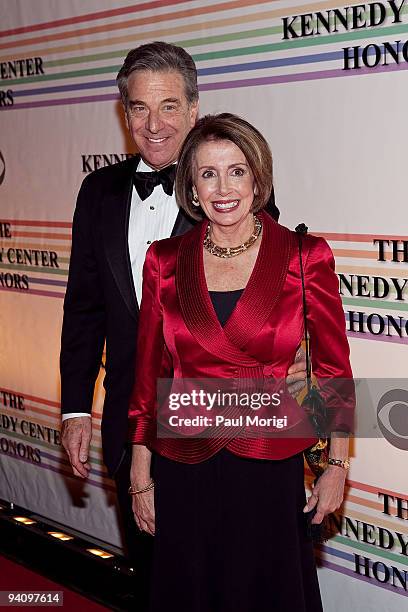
pixel 361 504
pixel 214 34
pixel 40 235
pixel 361 499
pixel 352 253
pixel 47 413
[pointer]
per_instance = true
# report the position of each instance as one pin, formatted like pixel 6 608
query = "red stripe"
pixel 136 22
pixel 51 294
pixel 33 398
pixel 370 489
pixel 361 486
pixel 357 237
pixel 34 223
pixel 51 236
pixel 41 400
pixel 90 17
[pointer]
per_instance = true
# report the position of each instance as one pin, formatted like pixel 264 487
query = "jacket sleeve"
pixel 153 360
pixel 83 329
pixel 328 341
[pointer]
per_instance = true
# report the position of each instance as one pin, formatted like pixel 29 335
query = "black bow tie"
pixel 145 182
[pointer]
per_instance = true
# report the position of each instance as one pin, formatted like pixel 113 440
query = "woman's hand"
pixel 143 511
pixel 328 493
pixel 142 503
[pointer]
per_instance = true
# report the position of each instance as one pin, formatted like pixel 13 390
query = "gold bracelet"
pixel 343 463
pixel 137 491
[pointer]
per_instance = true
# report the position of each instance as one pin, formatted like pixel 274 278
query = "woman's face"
pixel 223 181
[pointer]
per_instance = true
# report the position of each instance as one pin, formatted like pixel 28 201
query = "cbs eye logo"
pixel 392 417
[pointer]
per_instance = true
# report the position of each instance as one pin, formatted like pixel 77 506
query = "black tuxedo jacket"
pixel 100 303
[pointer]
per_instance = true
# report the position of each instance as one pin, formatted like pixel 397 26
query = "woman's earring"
pixel 195 198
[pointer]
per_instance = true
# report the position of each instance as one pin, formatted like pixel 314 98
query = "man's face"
pixel 159 116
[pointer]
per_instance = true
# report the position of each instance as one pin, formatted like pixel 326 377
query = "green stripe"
pixel 47 445
pixel 271 31
pixel 293 43
pixel 34 269
pixel 96 57
pixel 192 42
pixel 370 548
pixel 381 304
pixel 65 75
pixel 267 48
pixel 299 43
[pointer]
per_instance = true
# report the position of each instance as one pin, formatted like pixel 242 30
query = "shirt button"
pixel 149 242
pixel 152 208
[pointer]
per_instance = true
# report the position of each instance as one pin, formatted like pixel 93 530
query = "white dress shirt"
pixel 151 219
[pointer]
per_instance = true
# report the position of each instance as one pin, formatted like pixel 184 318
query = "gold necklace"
pixel 226 252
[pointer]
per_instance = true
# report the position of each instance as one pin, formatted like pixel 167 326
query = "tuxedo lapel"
pixel 116 210
pixel 255 305
pixel 183 223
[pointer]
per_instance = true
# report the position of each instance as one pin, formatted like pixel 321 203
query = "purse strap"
pixel 301 230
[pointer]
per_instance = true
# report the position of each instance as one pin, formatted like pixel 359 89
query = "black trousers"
pixel 138 545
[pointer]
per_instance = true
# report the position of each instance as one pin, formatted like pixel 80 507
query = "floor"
pixel 15 577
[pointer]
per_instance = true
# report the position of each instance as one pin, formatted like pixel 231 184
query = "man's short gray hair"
pixel 159 57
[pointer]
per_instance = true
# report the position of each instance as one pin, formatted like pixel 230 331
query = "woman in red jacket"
pixel 224 302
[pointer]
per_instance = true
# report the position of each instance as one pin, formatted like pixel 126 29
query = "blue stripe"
pixel 47 281
pixel 228 69
pixel 243 67
pixel 274 63
pixel 60 88
pixel 350 556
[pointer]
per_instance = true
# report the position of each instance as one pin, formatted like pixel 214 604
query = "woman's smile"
pixel 223 206
pixel 225 187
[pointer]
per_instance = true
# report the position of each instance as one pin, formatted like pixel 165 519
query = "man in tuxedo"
pixel 120 211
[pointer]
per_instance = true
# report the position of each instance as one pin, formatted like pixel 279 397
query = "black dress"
pixel 230 531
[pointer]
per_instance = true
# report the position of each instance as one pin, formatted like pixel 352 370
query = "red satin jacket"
pixel 180 335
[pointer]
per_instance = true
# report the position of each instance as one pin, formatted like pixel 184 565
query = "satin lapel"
pixel 182 224
pixel 195 303
pixel 264 286
pixel 116 210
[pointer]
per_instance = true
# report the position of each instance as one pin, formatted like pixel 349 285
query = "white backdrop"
pixel 339 144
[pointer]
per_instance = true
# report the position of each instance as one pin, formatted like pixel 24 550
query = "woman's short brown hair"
pixel 248 139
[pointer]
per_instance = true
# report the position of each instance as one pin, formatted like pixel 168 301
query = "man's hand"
pixel 296 378
pixel 76 435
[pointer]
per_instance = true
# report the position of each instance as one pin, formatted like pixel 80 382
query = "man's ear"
pixel 126 117
pixel 194 108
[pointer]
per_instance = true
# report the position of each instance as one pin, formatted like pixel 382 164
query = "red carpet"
pixel 14 577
